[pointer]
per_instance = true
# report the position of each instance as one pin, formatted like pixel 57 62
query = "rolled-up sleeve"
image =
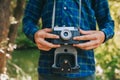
pixel 103 17
pixel 31 17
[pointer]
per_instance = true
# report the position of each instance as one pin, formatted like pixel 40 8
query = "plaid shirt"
pixel 93 11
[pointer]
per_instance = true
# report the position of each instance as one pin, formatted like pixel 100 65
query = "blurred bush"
pixel 107 55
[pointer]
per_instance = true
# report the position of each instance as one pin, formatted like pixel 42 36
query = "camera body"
pixel 66 35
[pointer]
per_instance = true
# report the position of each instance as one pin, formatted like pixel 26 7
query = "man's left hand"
pixel 95 39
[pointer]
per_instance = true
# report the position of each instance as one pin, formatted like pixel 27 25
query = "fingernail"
pixel 74 44
pixel 74 38
pixel 57 36
pixel 58 45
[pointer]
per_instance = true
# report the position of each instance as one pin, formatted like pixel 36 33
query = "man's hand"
pixel 40 37
pixel 95 39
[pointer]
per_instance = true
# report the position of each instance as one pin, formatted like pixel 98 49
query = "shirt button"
pixel 65 8
pixel 56 26
pixel 63 25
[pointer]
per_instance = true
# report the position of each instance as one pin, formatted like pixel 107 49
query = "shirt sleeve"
pixel 31 17
pixel 103 17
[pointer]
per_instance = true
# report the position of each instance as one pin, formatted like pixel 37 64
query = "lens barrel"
pixel 66 34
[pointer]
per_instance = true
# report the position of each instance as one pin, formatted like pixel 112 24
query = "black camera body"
pixel 66 35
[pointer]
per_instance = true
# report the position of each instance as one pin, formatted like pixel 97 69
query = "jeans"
pixel 55 77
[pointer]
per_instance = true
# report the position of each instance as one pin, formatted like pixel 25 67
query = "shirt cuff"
pixel 31 36
pixel 30 29
pixel 108 30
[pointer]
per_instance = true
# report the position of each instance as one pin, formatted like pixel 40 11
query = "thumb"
pixel 47 30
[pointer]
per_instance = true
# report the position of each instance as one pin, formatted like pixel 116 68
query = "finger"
pixel 43 48
pixel 85 37
pixel 53 36
pixel 91 47
pixel 47 30
pixel 87 44
pixel 48 44
pixel 86 32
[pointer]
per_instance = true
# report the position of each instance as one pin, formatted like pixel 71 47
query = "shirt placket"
pixel 59 13
pixel 64 9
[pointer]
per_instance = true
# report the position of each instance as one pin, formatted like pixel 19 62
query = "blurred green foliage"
pixel 107 55
pixel 22 41
pixel 24 64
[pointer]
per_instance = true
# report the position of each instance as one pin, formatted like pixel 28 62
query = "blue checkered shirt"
pixel 67 13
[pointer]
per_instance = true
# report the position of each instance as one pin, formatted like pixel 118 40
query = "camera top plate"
pixel 71 28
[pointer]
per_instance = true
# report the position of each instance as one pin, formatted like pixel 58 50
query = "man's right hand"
pixel 40 37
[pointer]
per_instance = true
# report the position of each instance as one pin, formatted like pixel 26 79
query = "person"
pixel 93 12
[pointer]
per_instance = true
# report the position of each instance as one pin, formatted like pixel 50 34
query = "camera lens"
pixel 66 34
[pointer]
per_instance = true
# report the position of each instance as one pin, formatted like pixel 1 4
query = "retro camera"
pixel 65 57
pixel 66 35
pixel 65 60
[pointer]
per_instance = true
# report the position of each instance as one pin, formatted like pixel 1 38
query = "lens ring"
pixel 66 34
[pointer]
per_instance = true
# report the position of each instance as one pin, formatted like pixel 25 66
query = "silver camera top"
pixel 71 28
pixel 65 32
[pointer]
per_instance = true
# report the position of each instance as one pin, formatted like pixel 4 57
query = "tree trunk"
pixel 17 14
pixel 7 30
pixel 4 29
